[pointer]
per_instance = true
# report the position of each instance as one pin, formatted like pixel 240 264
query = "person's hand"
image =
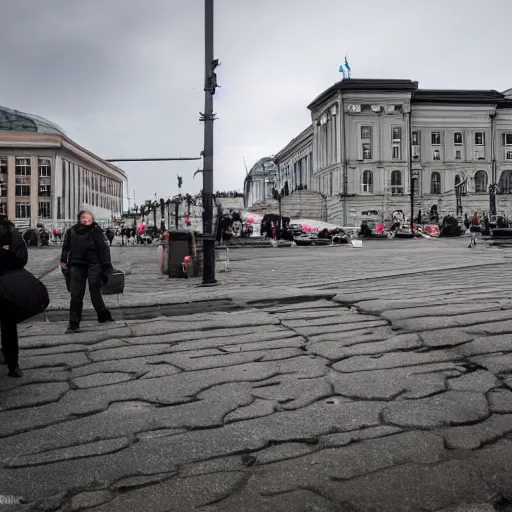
pixel 6 247
pixel 63 266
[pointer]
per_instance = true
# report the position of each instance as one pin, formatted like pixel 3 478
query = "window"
pixel 22 190
pixel 506 182
pixel 22 210
pixel 507 139
pixel 45 168
pixel 481 180
pixel 436 138
pixel 45 190
pixel 457 138
pixel 396 135
pixel 457 179
pixel 396 152
pixel 436 155
pixel 22 166
pixel 435 183
pixel 3 177
pixel 366 132
pixel 45 210
pixel 479 139
pixel 415 186
pixel 366 138
pixel 3 208
pixel 396 183
pixel 415 138
pixel 508 155
pixel 368 182
pixel 458 154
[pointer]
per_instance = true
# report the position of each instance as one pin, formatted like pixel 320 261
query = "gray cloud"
pixel 125 77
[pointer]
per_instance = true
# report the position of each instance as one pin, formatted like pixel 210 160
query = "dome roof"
pixel 14 120
pixel 264 167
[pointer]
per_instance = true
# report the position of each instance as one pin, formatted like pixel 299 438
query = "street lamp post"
pixel 208 117
pixel 162 214
pixel 168 205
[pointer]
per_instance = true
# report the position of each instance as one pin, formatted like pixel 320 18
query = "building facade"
pixel 373 140
pixel 260 181
pixel 295 163
pixel 47 178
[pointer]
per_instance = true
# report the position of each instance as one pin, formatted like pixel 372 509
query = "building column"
pixel 34 190
pixel 314 149
pixel 11 187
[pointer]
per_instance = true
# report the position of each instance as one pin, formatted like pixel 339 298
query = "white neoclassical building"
pixel 260 181
pixel 372 140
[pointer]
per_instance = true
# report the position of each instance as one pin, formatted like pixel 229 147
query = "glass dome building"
pixel 47 178
pixel 16 121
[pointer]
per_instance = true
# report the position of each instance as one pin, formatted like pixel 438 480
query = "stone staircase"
pixel 269 206
pixel 304 204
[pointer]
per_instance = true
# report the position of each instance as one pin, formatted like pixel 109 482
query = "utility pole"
pixel 208 117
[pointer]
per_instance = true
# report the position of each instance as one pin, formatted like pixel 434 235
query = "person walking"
pixel 86 258
pixel 13 256
pixel 110 235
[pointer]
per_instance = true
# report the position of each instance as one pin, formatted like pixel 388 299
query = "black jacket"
pixel 85 246
pixel 17 255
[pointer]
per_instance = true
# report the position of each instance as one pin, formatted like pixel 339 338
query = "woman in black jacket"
pixel 86 256
pixel 13 256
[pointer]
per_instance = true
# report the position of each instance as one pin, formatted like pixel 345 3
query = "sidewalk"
pixel 384 394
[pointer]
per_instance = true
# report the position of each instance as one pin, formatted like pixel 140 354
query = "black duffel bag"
pixel 23 294
pixel 114 284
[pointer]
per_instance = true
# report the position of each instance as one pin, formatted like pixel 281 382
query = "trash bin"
pixel 163 248
pixel 182 244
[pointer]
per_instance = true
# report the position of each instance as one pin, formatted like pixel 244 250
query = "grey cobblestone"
pixel 341 380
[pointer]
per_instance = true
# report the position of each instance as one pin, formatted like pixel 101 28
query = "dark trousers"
pixel 79 276
pixel 10 349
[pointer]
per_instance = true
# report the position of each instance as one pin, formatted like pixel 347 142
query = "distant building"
pixel 260 181
pixel 47 178
pixel 371 140
pixel 295 162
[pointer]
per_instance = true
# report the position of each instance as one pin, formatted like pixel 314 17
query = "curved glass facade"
pixel 14 120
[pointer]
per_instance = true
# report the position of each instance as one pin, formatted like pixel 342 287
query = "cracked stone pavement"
pixel 380 379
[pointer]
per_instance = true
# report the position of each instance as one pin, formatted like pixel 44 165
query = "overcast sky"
pixel 124 78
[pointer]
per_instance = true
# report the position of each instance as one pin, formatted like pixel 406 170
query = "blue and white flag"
pixel 347 66
pixel 341 70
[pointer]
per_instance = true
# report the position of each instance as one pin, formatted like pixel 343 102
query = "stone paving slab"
pixel 376 382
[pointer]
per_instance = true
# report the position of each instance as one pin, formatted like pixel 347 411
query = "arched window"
pixel 435 183
pixel 397 186
pixel 481 180
pixel 457 179
pixel 506 182
pixel 368 181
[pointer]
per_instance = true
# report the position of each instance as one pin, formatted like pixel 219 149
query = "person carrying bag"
pixel 22 295
pixel 85 258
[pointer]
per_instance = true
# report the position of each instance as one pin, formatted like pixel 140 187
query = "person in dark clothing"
pixel 86 256
pixel 13 256
pixel 110 235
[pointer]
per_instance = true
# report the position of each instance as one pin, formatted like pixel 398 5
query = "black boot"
pixel 15 372
pixel 72 327
pixel 104 316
